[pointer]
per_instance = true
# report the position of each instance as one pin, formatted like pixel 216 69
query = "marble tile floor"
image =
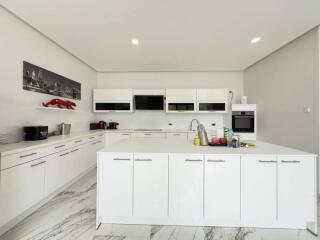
pixel 71 215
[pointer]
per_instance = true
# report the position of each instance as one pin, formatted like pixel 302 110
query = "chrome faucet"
pixel 198 123
pixel 201 132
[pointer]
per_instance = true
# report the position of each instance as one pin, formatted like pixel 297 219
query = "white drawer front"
pixel 23 157
pixel 182 136
pixel 148 135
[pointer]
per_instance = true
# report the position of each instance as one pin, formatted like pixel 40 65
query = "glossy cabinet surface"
pixel 115 179
pixel 259 188
pixel 222 187
pixel 186 186
pixel 150 185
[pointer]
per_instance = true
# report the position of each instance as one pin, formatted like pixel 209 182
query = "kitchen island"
pixel 166 182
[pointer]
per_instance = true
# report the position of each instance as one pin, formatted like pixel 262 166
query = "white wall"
pixel 19 42
pixel 153 119
pixel 283 85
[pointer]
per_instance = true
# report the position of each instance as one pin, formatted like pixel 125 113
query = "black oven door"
pixel 243 122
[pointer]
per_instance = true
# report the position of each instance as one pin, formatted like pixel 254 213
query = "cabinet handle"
pixel 121 159
pixel 176 134
pixel 59 146
pixel 75 150
pixel 78 141
pixel 143 160
pixel 125 134
pixel 95 143
pixel 217 160
pixel 100 135
pixel 267 161
pixel 91 137
pixel 28 155
pixel 193 160
pixel 290 161
pixel 36 164
pixel 148 134
pixel 63 154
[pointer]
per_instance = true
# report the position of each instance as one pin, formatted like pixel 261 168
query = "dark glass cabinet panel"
pixel 181 106
pixel 113 106
pixel 211 107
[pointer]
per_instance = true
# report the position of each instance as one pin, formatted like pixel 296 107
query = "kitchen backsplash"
pixel 162 120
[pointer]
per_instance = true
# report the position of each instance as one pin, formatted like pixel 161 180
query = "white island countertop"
pixel 177 147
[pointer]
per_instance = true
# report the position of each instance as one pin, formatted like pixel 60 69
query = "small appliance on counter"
pixel 113 125
pixel 99 125
pixel 64 128
pixel 34 133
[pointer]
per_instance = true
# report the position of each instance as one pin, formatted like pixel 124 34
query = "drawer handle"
pixel 125 134
pixel 121 159
pixel 290 161
pixel 217 160
pixel 148 134
pixel 78 141
pixel 267 161
pixel 193 160
pixel 176 134
pixel 143 160
pixel 28 155
pixel 59 146
pixel 75 150
pixel 63 154
pixel 37 164
pixel 100 135
pixel 95 143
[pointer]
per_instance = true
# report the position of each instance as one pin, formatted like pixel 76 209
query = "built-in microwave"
pixel 243 121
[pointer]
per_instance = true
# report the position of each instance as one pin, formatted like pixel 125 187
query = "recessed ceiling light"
pixel 135 41
pixel 255 40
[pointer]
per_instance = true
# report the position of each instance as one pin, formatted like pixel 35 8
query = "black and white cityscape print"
pixel 40 80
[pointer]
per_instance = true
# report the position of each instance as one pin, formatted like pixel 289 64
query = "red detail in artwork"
pixel 60 103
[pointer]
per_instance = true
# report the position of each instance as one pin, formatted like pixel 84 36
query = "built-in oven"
pixel 243 121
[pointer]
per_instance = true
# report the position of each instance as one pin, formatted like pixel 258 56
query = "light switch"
pixel 307 110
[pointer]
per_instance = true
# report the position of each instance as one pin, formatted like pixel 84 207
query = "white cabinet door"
pixel 212 94
pixel 150 185
pixel 222 187
pixel 116 137
pixel 115 185
pixel 186 187
pixel 55 172
pixel 181 94
pixel 296 197
pixel 21 188
pixel 259 189
pixel 177 136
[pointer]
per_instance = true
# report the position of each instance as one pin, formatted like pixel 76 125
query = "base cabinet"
pixel 55 172
pixel 222 188
pixel 295 193
pixel 115 185
pixel 186 187
pixel 21 187
pixel 259 189
pixel 150 185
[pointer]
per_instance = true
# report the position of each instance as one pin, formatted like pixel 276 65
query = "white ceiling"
pixel 174 35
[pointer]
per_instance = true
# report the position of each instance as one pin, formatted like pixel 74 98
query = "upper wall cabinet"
pixel 112 100
pixel 214 100
pixel 182 100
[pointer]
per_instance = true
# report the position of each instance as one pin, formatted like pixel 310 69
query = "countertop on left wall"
pixel 6 149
